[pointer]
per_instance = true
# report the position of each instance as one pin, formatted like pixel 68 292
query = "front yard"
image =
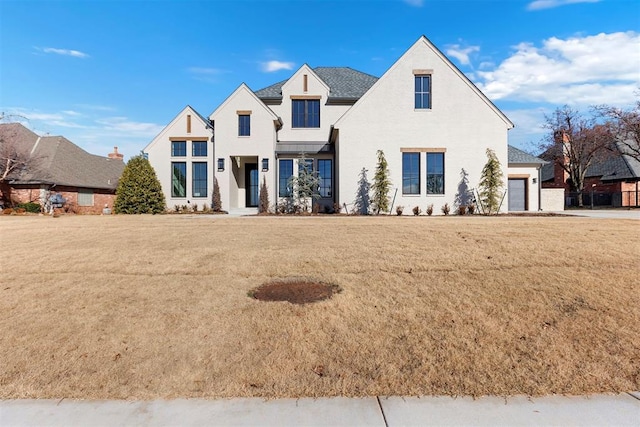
pixel 145 307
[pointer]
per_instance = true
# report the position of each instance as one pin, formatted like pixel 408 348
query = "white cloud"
pixel 461 53
pixel 599 69
pixel 272 66
pixel 122 125
pixel 65 52
pixel 549 4
pixel 414 3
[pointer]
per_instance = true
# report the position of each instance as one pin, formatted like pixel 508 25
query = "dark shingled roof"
pixel 344 83
pixel 613 167
pixel 517 156
pixel 61 162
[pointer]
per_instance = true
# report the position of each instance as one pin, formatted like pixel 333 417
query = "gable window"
pixel 423 91
pixel 178 179
pixel 435 173
pixel 244 125
pixel 410 173
pixel 285 172
pixel 199 179
pixel 178 148
pixel 305 113
pixel 199 148
pixel 324 173
pixel 85 197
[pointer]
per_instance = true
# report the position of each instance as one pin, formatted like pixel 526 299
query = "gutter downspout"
pixel 540 188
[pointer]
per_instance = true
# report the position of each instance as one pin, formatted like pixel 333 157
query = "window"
pixel 284 175
pixel 305 113
pixel 423 92
pixel 324 173
pixel 199 176
pixel 435 173
pixel 410 173
pixel 178 148
pixel 178 179
pixel 244 125
pixel 305 165
pixel 265 165
pixel 220 165
pixel 199 148
pixel 85 197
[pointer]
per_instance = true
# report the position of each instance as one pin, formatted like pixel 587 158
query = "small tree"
pixel 575 143
pixel 362 202
pixel 139 190
pixel 16 158
pixel 263 206
pixel 216 201
pixel 625 125
pixel 305 185
pixel 381 185
pixel 491 183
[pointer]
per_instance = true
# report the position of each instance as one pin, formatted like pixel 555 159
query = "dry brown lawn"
pixel 141 307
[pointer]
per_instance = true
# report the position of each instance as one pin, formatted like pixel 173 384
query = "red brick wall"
pixel 24 194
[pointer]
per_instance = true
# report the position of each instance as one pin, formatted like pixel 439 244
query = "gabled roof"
pixel 244 88
pixel 517 156
pixel 61 162
pixel 424 40
pixel 186 110
pixel 344 83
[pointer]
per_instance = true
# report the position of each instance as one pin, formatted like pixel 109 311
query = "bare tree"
pixel 575 143
pixel 16 158
pixel 626 127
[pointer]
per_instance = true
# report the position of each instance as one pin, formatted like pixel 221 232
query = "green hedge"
pixel 30 207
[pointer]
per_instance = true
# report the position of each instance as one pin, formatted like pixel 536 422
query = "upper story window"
pixel 305 113
pixel 435 173
pixel 244 125
pixel 178 148
pixel 422 91
pixel 410 173
pixel 199 148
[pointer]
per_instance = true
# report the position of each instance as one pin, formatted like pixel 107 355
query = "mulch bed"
pixel 295 291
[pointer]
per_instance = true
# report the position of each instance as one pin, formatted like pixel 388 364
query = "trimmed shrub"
pixel 139 190
pixel 30 207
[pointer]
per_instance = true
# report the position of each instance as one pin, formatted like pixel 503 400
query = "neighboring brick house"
pixel 87 182
pixel 613 180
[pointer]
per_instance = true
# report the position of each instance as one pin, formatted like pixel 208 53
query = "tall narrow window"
pixel 305 113
pixel 410 173
pixel 199 179
pixel 178 179
pixel 423 92
pixel 199 148
pixel 324 173
pixel 435 173
pixel 178 148
pixel 285 171
pixel 244 125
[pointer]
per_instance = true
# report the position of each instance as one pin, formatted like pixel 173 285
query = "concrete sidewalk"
pixel 598 410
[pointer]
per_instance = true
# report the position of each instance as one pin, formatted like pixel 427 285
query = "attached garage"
pixel 517 191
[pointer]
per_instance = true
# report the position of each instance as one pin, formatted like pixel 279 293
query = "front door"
pixel 252 183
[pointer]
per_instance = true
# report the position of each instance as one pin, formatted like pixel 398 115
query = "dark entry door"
pixel 251 183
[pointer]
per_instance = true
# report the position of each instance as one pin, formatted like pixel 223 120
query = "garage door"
pixel 517 195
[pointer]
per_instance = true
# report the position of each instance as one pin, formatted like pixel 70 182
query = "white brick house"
pixel 430 120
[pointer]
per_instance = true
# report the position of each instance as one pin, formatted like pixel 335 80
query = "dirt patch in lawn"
pixel 295 291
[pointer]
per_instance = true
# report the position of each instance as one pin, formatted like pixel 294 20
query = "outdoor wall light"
pixel 265 165
pixel 220 165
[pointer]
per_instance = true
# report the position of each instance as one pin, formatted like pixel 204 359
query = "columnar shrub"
pixel 139 190
pixel 263 205
pixel 216 201
pixel 381 185
pixel 491 183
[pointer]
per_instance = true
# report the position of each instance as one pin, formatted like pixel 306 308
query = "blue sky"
pixel 105 73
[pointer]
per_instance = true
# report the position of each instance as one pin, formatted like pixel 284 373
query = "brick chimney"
pixel 115 154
